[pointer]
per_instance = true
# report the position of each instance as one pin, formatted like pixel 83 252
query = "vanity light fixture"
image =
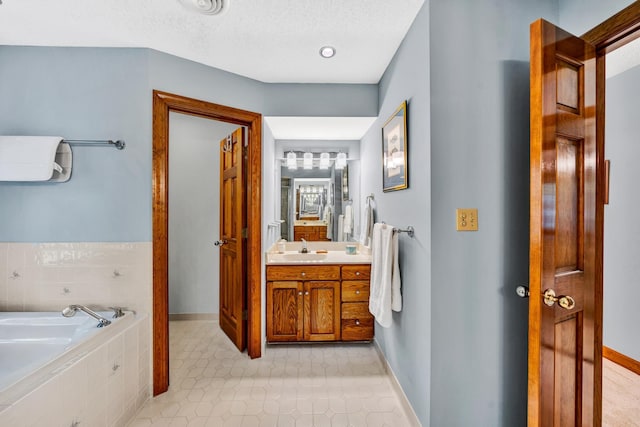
pixel 341 161
pixel 307 161
pixel 327 51
pixel 324 161
pixel 292 161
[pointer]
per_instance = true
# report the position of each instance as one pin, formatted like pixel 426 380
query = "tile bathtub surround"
pixel 50 276
pixel 212 384
pixel 104 385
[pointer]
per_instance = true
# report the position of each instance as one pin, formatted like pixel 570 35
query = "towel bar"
pixel 119 144
pixel 409 230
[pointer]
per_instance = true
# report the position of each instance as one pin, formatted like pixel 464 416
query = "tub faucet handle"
pixel 117 311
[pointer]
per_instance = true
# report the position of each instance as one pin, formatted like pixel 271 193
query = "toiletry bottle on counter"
pixel 281 245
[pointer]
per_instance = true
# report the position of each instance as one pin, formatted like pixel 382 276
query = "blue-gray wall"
pixel 621 251
pixel 79 93
pixel 479 53
pixel 103 93
pixel 407 344
pixel 579 16
pixel 194 212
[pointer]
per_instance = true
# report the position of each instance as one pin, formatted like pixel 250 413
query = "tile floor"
pixel 212 384
pixel 620 396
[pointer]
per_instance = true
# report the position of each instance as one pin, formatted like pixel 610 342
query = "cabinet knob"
pixel 357 292
pixel 300 293
pixel 357 322
pixel 303 274
pixel 357 273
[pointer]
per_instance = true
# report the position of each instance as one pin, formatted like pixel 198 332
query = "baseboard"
pixel 622 360
pixel 193 316
pixel 406 406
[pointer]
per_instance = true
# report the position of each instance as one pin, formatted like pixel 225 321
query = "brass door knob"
pixel 564 301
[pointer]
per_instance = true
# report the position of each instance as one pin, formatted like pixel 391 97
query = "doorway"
pixel 163 104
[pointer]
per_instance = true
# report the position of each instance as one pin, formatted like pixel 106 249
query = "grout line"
pixel 404 401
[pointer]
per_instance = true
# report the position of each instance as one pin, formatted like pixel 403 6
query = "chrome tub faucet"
pixel 73 309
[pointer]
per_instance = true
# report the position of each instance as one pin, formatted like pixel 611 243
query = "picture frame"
pixel 394 151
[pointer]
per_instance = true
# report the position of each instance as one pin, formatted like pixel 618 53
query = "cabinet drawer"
pixel 355 291
pixel 357 329
pixel 303 272
pixel 356 272
pixel 356 310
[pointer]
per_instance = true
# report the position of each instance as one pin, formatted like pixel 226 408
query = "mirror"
pixel 312 201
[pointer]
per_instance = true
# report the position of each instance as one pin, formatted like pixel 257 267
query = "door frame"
pixel 614 32
pixel 163 104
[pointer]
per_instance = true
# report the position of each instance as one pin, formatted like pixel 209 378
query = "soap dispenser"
pixel 281 245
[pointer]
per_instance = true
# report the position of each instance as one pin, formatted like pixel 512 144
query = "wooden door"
pixel 322 310
pixel 233 223
pixel 564 343
pixel 284 311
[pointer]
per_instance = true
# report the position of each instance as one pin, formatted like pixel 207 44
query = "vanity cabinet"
pixel 356 321
pixel 318 303
pixel 310 233
pixel 303 303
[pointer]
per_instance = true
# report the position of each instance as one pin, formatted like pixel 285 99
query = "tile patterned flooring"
pixel 620 396
pixel 212 384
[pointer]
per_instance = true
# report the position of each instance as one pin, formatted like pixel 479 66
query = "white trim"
pixel 406 406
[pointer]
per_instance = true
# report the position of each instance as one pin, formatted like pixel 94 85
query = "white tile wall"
pixel 104 388
pixel 50 276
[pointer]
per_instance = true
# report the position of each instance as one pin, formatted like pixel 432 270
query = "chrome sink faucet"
pixel 304 249
pixel 73 309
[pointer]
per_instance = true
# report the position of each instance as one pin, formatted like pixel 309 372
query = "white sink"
pixel 304 257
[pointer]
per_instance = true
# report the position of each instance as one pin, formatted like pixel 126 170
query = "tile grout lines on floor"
pixel 212 384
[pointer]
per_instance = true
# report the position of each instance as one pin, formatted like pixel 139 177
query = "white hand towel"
pixel 27 158
pixel 348 219
pixel 329 220
pixel 367 225
pixel 385 291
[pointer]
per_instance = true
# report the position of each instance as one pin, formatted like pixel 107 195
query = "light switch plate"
pixel 467 219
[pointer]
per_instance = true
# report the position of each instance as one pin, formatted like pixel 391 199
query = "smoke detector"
pixel 205 7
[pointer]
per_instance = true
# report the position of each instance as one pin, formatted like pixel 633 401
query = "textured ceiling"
pixel 267 40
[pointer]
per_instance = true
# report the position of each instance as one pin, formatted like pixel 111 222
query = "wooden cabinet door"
pixel 564 330
pixel 322 311
pixel 285 311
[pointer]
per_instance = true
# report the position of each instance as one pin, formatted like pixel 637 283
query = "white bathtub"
pixel 30 340
pixel 58 370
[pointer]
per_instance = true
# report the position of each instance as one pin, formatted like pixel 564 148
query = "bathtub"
pixel 66 371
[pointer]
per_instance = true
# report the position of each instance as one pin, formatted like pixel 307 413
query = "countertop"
pixel 335 254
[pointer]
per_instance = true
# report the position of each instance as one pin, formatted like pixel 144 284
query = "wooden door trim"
pixel 616 31
pixel 609 35
pixel 621 359
pixel 163 104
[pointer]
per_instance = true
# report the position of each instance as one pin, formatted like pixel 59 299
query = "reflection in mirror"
pixel 313 200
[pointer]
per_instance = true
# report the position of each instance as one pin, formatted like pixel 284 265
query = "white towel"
pixel 385 293
pixel 27 158
pixel 348 219
pixel 340 228
pixel 329 219
pixel 366 229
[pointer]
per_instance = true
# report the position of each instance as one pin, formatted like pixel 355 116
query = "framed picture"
pixel 394 151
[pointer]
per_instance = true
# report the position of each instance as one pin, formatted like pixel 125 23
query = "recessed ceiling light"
pixel 327 51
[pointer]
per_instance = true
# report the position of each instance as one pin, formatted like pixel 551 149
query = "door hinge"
pixel 245 315
pixel 244 233
pixel 228 145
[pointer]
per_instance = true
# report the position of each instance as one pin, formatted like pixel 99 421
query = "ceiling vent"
pixel 205 7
